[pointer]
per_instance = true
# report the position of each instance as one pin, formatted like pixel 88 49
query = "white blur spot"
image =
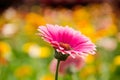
pixel 9 30
pixel 34 51
pixel 109 44
pixel 10 13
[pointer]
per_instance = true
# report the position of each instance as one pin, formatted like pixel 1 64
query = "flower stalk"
pixel 59 57
pixel 56 74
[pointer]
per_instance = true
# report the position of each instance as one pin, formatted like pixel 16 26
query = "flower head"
pixel 70 65
pixel 66 40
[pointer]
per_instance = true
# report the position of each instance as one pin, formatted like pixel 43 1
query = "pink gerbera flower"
pixel 66 40
pixel 71 64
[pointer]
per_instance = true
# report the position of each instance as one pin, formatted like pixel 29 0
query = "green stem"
pixel 56 74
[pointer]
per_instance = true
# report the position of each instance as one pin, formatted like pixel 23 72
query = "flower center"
pixel 65 46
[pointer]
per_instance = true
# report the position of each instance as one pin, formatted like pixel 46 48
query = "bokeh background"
pixel 25 56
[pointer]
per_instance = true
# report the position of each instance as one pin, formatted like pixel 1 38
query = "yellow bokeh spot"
pixel 86 28
pixel 90 59
pixel 89 70
pixel 36 51
pixel 27 46
pixel 5 49
pixel 47 77
pixel 81 14
pixel 30 29
pixel 36 19
pixel 45 52
pixel 117 60
pixel 33 20
pixel 111 30
pixel 23 71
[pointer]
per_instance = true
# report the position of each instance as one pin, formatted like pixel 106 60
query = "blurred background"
pixel 25 56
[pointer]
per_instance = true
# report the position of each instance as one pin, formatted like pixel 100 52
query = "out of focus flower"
pixel 29 29
pixel 118 36
pixel 50 15
pixel 35 51
pixel 95 22
pixel 3 61
pixel 106 31
pixel 23 71
pixel 71 65
pixel 103 20
pixel 47 77
pixel 83 22
pixel 108 43
pixel 88 70
pixel 66 40
pixel 2 22
pixel 35 19
pixel 9 30
pixel 5 50
pixel 117 60
pixel 88 30
pixel 10 13
pixel 80 14
pixel 65 17
pixel 90 59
